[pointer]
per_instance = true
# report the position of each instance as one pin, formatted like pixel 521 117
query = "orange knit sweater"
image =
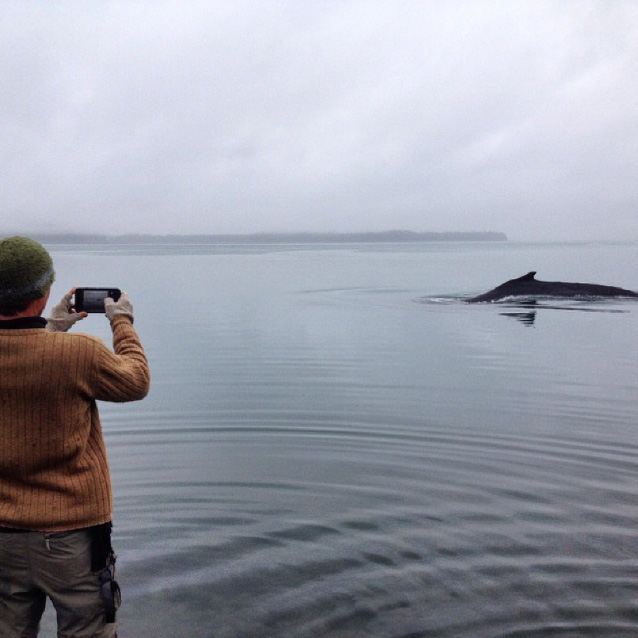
pixel 54 473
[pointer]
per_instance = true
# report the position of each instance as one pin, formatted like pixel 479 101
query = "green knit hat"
pixel 26 270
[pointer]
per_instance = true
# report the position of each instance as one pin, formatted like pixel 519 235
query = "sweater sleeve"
pixel 122 375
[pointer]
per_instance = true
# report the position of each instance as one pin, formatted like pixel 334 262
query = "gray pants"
pixel 34 566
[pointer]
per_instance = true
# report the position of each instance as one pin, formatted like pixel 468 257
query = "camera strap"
pixel 103 561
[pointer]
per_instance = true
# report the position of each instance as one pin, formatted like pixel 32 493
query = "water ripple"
pixel 464 523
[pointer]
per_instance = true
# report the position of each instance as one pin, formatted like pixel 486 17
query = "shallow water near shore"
pixel 335 445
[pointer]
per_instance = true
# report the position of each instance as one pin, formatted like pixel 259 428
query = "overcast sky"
pixel 237 116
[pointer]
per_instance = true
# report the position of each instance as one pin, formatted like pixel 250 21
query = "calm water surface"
pixel 335 445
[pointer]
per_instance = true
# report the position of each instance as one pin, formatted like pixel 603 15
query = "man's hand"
pixel 63 315
pixel 121 307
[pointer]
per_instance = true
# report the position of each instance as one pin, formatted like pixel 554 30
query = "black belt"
pixel 10 530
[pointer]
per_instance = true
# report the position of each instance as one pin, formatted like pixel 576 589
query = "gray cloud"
pixel 219 116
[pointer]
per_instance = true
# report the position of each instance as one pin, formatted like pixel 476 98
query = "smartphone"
pixel 92 299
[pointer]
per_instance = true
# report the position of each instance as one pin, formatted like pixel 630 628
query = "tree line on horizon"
pixel 272 237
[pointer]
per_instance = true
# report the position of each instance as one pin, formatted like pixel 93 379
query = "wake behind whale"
pixel 530 287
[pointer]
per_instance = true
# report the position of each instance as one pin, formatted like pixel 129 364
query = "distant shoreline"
pixel 391 236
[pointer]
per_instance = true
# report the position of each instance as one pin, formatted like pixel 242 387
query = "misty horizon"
pixel 271 237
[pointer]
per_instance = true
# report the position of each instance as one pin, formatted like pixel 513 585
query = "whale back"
pixel 529 286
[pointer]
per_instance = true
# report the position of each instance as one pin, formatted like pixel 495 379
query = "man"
pixel 55 487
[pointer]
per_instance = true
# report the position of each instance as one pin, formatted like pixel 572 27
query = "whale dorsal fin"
pixel 528 277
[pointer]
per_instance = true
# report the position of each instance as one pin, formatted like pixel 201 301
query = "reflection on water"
pixel 526 318
pixel 525 311
pixel 321 456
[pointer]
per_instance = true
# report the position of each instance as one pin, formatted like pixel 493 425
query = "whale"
pixel 529 287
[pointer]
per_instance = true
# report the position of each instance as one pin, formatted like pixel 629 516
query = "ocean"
pixel 335 445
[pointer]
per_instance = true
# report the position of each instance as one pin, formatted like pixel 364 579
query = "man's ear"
pixel 40 304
